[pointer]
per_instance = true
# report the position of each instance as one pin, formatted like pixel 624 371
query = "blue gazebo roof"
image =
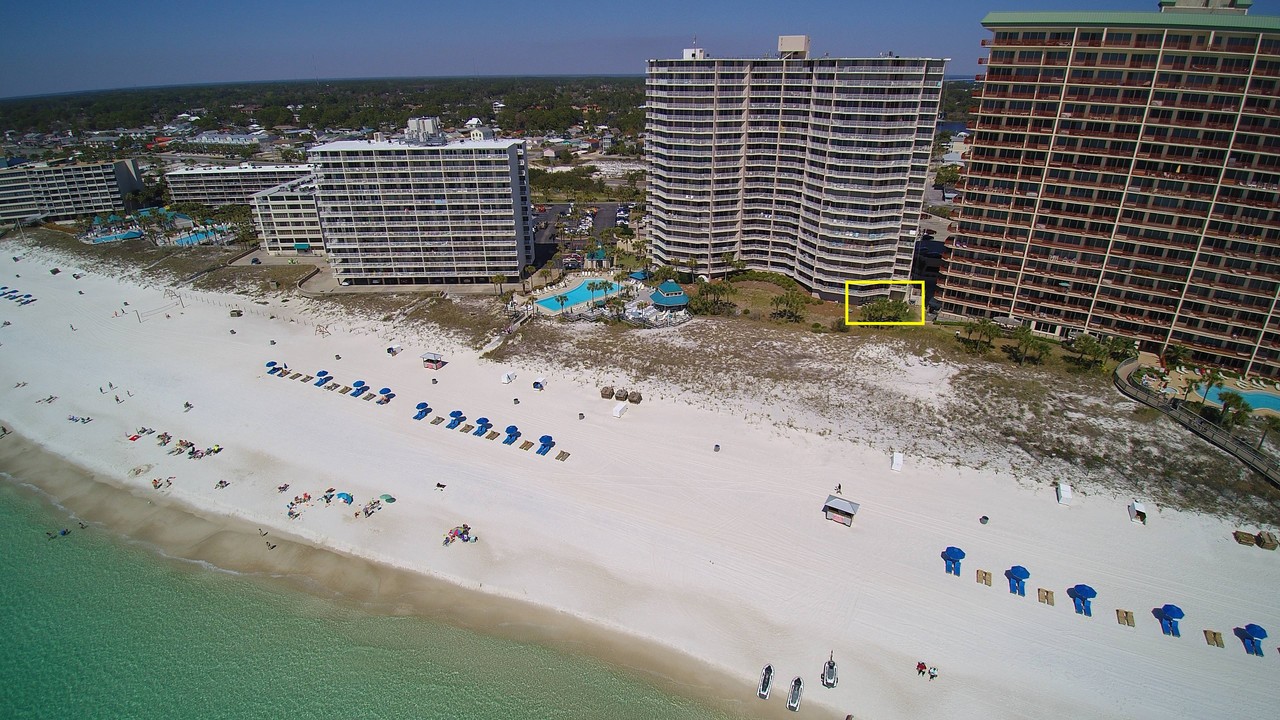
pixel 669 295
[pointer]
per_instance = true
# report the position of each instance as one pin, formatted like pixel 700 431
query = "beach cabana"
pixel 839 510
pixel 669 296
pixel 952 557
pixel 432 361
pixel 1169 616
pixel 1018 576
pixel 620 409
pixel 1064 493
pixel 1137 513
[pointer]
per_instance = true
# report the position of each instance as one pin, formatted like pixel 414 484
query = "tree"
pixel 1025 339
pixel 1175 356
pixel 544 274
pixel 1039 349
pixel 789 305
pixel 497 281
pixel 616 305
pixel 525 272
pixel 1193 385
pixel 1091 351
pixel 1235 409
pixel 564 156
pixel 1213 380
pixel 986 331
pixel 1270 424
pixel 884 310
pixel 562 299
pixel 692 265
pixel 947 175
pixel 664 273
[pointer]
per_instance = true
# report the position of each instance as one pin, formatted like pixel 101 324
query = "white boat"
pixel 766 682
pixel 829 676
pixel 793 697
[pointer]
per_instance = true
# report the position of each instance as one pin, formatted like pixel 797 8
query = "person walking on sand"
pixel 838 492
pixel 933 673
pixel 921 668
pixel 73 327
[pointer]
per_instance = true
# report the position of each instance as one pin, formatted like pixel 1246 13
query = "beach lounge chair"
pixel 307 378
pixel 545 448
pixel 492 435
pixel 437 420
pixel 294 376
pixel 454 423
pixel 481 430
pixel 897 462
pixel 421 414
pixel 562 456
pixel 331 387
pixel 511 439
pixel 467 428
pixel 526 445
pixel 345 389
pixel 370 396
pixel 359 391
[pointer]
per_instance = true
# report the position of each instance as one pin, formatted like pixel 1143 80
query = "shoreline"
pixel 176 531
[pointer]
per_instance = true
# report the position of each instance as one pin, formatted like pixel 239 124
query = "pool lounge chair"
pixel 294 376
pixel 466 429
pixel 345 389
pixel 492 435
pixel 307 378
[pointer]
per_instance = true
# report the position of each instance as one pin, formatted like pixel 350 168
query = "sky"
pixel 58 46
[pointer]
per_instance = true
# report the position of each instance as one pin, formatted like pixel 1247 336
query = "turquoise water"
pixel 97 627
pixel 1258 399
pixel 578 295
pixel 118 236
pixel 195 238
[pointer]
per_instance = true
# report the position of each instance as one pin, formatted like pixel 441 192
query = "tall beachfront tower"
pixel 1123 178
pixel 813 167
pixel 423 212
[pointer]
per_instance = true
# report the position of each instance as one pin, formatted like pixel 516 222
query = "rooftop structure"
pixel 811 167
pixel 1124 179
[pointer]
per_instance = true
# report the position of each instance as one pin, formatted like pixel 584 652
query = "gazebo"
pixel 669 296
pixel 840 510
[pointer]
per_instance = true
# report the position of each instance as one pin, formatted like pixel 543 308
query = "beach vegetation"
pixel 712 298
pixel 947 176
pixel 1270 424
pixel 789 306
pixel 884 310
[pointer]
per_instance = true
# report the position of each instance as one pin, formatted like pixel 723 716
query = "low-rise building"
pixel 215 185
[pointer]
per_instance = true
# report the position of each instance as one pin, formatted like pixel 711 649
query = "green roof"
pixel 1171 20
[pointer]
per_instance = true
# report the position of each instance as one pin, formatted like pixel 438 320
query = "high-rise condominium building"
pixel 286 218
pixel 813 167
pixel 412 213
pixel 64 190
pixel 215 185
pixel 1124 179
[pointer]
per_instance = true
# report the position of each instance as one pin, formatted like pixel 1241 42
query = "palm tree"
pixel 1175 356
pixel 525 272
pixel 1234 408
pixel 986 331
pixel 543 274
pixel 1213 380
pixel 1025 340
pixel 1270 424
pixel 1039 348
pixel 562 299
pixel 497 281
pixel 1193 385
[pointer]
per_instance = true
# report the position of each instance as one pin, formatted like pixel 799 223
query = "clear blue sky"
pixel 52 46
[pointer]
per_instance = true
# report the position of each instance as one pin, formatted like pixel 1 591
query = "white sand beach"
pixel 724 557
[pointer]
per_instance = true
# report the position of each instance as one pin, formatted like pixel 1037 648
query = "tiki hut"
pixel 634 397
pixel 620 395
pixel 606 392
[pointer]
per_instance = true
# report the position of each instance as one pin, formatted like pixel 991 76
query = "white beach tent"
pixel 897 462
pixel 1064 493
pixel 620 409
pixel 1137 513
pixel 508 377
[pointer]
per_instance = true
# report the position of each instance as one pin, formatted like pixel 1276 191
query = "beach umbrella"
pixel 455 414
pixel 1085 592
pixel 421 406
pixel 388 498
pixel 345 497
pixel 1255 631
pixel 322 373
pixel 359 383
pixel 271 364
pixel 954 553
pixel 546 440
pixel 1173 612
pixel 512 429
pixel 384 391
pixel 1019 572
pixel 483 421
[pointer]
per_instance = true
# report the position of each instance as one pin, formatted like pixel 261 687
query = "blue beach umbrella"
pixel 1255 631
pixel 271 364
pixel 421 406
pixel 1019 572
pixel 455 414
pixel 483 421
pixel 512 429
pixel 384 391
pixel 954 553
pixel 1085 592
pixel 359 383
pixel 322 373
pixel 345 497
pixel 545 440
pixel 1173 612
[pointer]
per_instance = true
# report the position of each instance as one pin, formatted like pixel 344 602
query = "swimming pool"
pixel 1258 400
pixel 578 295
pixel 130 235
pixel 200 236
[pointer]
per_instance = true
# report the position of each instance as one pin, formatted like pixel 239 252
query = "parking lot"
pixel 546 240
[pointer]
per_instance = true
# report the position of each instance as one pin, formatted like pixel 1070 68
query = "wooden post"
pixel 1045 596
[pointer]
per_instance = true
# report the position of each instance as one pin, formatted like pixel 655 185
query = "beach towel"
pixel 526 445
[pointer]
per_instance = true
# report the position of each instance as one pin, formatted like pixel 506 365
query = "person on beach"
pixel 118 400
pixel 838 488
pixel 73 327
pixel 921 668
pixel 933 673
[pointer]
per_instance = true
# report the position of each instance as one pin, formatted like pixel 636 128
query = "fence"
pixel 1242 451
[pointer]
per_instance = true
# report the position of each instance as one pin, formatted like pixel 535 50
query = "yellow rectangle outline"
pixel 859 323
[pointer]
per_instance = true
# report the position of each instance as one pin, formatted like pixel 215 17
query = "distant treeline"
pixel 532 104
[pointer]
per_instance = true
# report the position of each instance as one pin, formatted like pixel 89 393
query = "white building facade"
pixel 810 167
pixel 287 220
pixel 215 185
pixel 65 191
pixel 406 213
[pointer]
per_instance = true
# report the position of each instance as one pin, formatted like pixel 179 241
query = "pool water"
pixel 578 295
pixel 130 235
pixel 1257 399
pixel 195 238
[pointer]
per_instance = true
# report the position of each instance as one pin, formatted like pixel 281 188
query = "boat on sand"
pixel 766 682
pixel 793 697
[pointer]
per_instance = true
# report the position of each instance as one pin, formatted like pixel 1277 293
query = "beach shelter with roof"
pixel 837 509
pixel 669 296
pixel 952 557
pixel 432 361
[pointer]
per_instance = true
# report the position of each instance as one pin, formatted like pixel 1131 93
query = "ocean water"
pixel 95 626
